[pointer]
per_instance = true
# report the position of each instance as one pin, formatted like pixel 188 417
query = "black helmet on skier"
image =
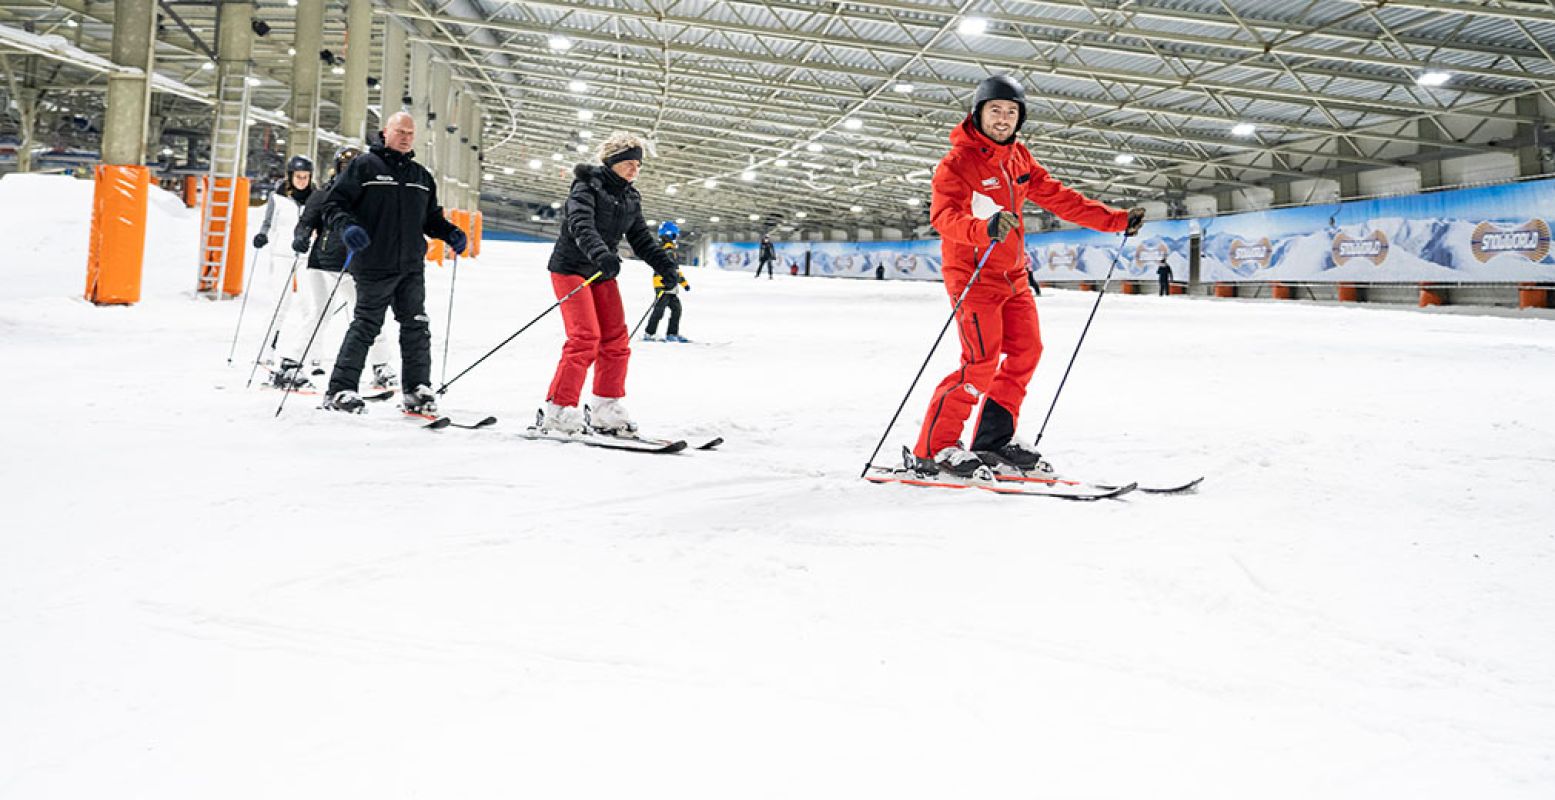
pixel 344 155
pixel 998 87
pixel 299 164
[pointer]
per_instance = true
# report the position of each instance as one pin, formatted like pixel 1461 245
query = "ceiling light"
pixel 585 114
pixel 585 134
pixel 1244 129
pixel 535 163
pixel 680 221
pixel 856 209
pixel 254 81
pixel 972 26
pixel 754 217
pixel 71 23
pixel 534 217
pixel 558 157
pixel 338 70
pixel 903 88
pixel 560 43
pixel 167 151
pixel 292 3
pixel 1123 159
pixel 814 147
pixel 710 183
pixel 1434 78
pixel 852 123
pixel 712 219
pixel 577 87
pixel 488 176
pixel 912 201
pixel 670 190
pixel 780 163
pixel 556 204
pixel 209 65
pixel 748 175
pixel 291 51
pixel 279 140
pixel 801 214
pixel 582 148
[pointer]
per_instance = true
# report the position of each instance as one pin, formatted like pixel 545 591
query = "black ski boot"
pixel 347 401
pixel 421 400
pixel 290 376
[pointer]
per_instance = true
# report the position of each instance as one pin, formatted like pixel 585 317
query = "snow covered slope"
pixel 198 599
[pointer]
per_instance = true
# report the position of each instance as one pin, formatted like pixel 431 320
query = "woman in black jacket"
pixel 601 206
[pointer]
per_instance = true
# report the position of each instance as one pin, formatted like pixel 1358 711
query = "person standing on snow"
pixel 601 207
pixel 382 207
pixel 979 189
pixel 325 260
pixel 667 296
pixel 768 256
pixel 285 205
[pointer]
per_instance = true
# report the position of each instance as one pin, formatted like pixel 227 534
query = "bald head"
pixel 399 132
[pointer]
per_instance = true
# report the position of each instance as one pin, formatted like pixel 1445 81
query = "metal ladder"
pixel 229 140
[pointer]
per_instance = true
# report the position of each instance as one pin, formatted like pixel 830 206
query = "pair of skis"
pixel 632 442
pixel 1004 479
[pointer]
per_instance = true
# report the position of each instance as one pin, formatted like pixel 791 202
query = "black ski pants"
pixel 1166 285
pixel 768 265
pixel 671 302
pixel 406 292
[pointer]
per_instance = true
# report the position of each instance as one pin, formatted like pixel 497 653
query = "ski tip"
pixel 437 424
pixel 709 445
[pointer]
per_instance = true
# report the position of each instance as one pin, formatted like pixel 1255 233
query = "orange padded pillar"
pixel 1531 296
pixel 1282 292
pixel 235 194
pixel 1225 290
pixel 461 220
pixel 117 249
pixel 1129 287
pixel 476 229
pixel 1349 293
pixel 435 250
pixel 1176 288
pixel 1087 286
pixel 1432 295
pixel 191 191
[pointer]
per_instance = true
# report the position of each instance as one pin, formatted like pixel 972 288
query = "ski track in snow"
pixel 198 599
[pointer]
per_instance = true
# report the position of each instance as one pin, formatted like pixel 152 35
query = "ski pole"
pixel 286 288
pixel 937 340
pixel 526 327
pixel 247 285
pixel 1105 281
pixel 323 312
pixel 448 332
pixel 644 317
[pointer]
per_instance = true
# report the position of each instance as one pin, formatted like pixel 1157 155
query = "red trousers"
pixel 596 336
pixel 1001 342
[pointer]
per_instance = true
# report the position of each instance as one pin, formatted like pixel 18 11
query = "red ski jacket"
pixel 976 180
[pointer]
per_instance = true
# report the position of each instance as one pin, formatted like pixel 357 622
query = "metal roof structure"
pixel 839 111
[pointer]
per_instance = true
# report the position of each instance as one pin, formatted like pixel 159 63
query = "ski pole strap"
pixel 444 388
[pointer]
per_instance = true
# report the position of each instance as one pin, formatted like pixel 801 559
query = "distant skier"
pixel 979 188
pixel 285 205
pixel 326 257
pixel 601 206
pixel 667 295
pixel 768 256
pixel 383 206
pixel 1164 273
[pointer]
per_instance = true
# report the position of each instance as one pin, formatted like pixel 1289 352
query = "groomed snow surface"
pixel 200 600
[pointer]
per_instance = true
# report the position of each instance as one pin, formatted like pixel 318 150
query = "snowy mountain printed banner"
pixel 1494 234
pixel 915 259
pixel 1086 255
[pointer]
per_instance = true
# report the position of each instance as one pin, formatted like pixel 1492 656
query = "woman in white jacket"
pixel 285 207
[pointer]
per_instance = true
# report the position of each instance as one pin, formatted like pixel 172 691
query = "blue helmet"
pixel 668 229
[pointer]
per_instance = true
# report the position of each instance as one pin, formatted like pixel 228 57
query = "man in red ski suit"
pixel 979 188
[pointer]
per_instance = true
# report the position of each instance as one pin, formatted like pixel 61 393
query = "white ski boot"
pixel 609 417
pixel 561 419
pixel 958 461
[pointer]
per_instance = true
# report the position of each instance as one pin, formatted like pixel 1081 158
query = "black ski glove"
pixel 260 240
pixel 1136 220
pixel 609 264
pixel 300 244
pixel 1000 225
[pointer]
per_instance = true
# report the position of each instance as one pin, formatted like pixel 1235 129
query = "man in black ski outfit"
pixel 768 256
pixel 381 207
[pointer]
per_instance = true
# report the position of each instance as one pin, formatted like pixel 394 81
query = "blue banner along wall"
pixel 1494 234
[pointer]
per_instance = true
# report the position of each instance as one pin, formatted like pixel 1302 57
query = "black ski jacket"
pixel 600 208
pixel 329 252
pixel 394 199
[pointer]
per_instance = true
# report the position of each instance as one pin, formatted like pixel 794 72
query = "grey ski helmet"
pixel 299 164
pixel 998 87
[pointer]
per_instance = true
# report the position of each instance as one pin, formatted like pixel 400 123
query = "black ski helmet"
pixel 344 155
pixel 998 87
pixel 299 164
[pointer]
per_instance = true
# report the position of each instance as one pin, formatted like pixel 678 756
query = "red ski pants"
pixel 1001 342
pixel 596 336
